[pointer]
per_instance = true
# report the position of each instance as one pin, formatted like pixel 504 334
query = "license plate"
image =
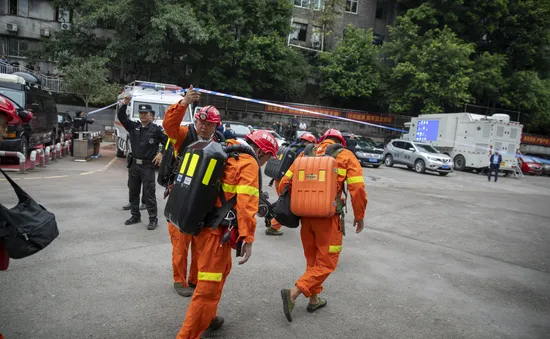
pixel 372 160
pixel 445 167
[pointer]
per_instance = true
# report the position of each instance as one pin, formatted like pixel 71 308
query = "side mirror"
pixel 412 149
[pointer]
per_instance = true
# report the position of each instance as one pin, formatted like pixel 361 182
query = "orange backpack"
pixel 315 184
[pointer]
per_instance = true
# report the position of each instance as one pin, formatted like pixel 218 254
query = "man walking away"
pixel 145 137
pixel 229 133
pixel 494 165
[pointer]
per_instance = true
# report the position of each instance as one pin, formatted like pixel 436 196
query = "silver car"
pixel 420 156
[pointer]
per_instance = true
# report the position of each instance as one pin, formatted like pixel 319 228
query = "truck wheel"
pixel 388 161
pixel 419 166
pixel 24 146
pixel 460 163
pixel 119 152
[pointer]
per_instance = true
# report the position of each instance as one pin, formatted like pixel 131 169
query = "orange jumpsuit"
pixel 322 237
pixel 241 178
pixel 180 241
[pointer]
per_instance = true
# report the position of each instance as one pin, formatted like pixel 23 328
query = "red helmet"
pixel 264 140
pixel 209 114
pixel 7 107
pixel 332 132
pixel 308 137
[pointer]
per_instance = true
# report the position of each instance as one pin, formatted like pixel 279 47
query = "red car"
pixel 530 166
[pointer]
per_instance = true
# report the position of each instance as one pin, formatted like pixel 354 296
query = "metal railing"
pixel 53 84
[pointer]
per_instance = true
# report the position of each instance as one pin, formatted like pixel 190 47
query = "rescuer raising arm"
pixel 206 121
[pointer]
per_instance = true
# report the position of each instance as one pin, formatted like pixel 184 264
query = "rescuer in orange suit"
pixel 214 260
pixel 306 139
pixel 322 237
pixel 206 122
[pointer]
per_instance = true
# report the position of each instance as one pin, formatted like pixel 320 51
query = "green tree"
pixel 430 72
pixel 87 79
pixel 352 70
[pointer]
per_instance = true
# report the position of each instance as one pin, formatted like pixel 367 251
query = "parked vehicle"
pixel 25 91
pixel 368 155
pixel 420 156
pixel 159 96
pixel 280 139
pixel 530 166
pixel 65 126
pixel 545 163
pixel 239 128
pixel 469 138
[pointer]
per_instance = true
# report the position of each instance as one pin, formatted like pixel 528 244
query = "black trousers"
pixel 143 175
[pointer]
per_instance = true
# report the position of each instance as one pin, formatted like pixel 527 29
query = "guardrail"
pixel 22 159
pixel 53 84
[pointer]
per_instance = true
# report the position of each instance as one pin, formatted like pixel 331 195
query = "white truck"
pixel 469 138
pixel 158 95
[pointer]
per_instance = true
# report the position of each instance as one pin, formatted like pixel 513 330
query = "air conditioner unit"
pixel 11 27
pixel 44 31
pixel 65 26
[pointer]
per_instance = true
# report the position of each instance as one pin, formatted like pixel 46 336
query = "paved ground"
pixel 443 257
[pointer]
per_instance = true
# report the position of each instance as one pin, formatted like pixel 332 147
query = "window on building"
pixel 19 48
pixel 315 4
pixel 351 6
pixel 13 7
pixel 381 9
pixel 299 31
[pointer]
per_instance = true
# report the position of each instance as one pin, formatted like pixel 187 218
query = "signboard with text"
pixel 370 117
pixel 275 109
pixel 535 140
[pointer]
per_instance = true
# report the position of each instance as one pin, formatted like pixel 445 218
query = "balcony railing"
pixel 53 84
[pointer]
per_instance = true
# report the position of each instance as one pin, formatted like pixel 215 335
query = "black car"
pixel 368 155
pixel 64 126
pixel 25 90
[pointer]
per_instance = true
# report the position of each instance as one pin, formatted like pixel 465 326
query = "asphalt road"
pixel 442 257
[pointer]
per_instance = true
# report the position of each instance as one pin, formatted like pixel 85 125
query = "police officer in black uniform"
pixel 145 137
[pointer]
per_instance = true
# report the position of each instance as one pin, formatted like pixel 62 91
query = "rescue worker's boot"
pixel 288 304
pixel 272 231
pixel 153 224
pixel 191 284
pixel 314 307
pixel 216 324
pixel 133 220
pixel 183 291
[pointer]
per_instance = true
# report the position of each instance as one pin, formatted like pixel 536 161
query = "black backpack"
pixel 26 228
pixel 169 163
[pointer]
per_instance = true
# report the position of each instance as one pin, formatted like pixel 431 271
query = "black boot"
pixel 127 207
pixel 142 207
pixel 153 224
pixel 132 220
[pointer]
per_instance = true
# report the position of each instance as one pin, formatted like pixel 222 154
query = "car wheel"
pixel 460 163
pixel 388 161
pixel 419 166
pixel 443 174
pixel 375 166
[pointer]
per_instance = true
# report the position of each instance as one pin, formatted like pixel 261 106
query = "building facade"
pixel 308 16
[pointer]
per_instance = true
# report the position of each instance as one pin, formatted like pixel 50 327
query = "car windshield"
pixel 240 130
pixel 426 148
pixel 275 134
pixel 364 144
pixel 14 95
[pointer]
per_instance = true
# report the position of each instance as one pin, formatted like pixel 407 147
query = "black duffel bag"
pixel 281 210
pixel 26 228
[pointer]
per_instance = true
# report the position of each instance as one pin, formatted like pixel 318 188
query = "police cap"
pixel 145 109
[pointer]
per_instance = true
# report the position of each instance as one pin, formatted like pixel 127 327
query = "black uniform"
pixel 144 141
